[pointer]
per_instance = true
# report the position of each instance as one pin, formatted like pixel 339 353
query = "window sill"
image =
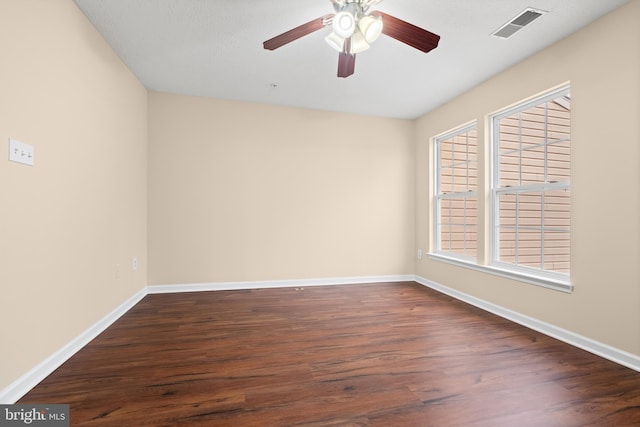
pixel 557 285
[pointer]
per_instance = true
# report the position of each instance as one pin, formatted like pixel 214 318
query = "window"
pixel 530 189
pixel 456 196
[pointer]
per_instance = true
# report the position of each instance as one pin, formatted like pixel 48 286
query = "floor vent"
pixel 519 22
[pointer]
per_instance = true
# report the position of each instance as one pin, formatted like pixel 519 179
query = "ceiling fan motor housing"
pixel 352 22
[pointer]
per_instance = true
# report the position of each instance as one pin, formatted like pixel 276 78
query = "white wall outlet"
pixel 419 254
pixel 134 264
pixel 20 152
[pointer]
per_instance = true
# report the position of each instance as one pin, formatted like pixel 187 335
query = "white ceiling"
pixel 214 48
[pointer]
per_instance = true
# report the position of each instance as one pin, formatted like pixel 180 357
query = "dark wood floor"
pixel 354 355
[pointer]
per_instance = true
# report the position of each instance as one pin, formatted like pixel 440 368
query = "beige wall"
pixel 70 225
pixel 602 62
pixel 246 192
pixel 243 192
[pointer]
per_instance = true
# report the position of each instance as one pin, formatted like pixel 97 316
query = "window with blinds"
pixel 531 171
pixel 456 196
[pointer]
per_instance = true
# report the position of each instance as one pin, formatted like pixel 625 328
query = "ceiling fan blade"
pixel 346 64
pixel 407 33
pixel 297 32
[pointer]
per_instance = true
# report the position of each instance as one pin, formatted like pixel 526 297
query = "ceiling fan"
pixel 354 28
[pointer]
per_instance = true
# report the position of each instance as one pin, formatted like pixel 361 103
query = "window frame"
pixel 556 280
pixel 438 196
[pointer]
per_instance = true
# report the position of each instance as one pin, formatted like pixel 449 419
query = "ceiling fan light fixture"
pixel 371 27
pixel 335 41
pixel 344 24
pixel 354 30
pixel 358 43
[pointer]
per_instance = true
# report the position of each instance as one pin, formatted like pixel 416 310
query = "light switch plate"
pixel 20 152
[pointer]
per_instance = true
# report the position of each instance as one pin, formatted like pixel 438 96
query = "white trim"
pixel 14 391
pixel 438 195
pixel 600 349
pixel 545 95
pixel 26 382
pixel 22 385
pixel 229 286
pixel 492 121
pixel 510 271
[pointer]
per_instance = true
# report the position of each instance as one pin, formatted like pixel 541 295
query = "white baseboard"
pixel 26 382
pixel 230 286
pixel 22 385
pixel 603 350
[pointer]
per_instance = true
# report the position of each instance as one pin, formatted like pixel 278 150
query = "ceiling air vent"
pixel 516 24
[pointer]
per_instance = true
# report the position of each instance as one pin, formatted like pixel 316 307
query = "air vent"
pixel 519 22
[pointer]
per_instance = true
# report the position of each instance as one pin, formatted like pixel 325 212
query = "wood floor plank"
pixel 388 354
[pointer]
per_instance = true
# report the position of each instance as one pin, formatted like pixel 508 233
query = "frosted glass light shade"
pixel 335 41
pixel 344 24
pixel 358 43
pixel 371 27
